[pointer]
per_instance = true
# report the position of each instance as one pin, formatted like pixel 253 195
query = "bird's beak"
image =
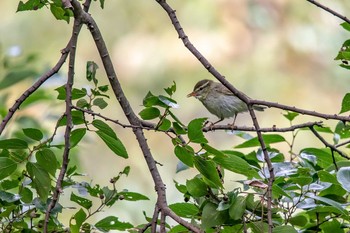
pixel 192 94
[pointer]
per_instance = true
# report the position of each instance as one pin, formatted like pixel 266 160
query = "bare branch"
pixel 329 10
pixel 129 113
pixel 332 147
pixel 34 87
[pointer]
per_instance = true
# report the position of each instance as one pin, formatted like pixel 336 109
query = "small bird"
pixel 219 100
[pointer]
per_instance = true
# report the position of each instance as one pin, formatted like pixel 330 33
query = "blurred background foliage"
pixel 282 51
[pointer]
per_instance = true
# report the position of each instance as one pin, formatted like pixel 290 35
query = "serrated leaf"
pixel 343 177
pixel 7 167
pixel 195 133
pixel 268 139
pixel 208 169
pixel 47 160
pixel 113 143
pixel 345 105
pixel 58 12
pixel 83 202
pixel 34 134
pixel 112 223
pixel 13 143
pixel 41 180
pixel 149 113
pixel 185 154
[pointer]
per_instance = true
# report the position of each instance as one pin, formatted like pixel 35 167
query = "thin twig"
pixel 34 87
pixel 329 10
pixel 330 146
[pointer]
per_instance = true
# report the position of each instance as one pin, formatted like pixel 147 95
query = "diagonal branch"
pixel 340 16
pixel 172 15
pixel 34 87
pixel 129 113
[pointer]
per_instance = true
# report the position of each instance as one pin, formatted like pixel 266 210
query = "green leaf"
pixel 168 101
pixel 284 229
pixel 86 203
pixel 236 164
pixel 343 176
pixel 59 12
pixel 196 187
pixel 178 128
pixel 91 68
pixel 112 223
pixel 113 143
pixel 76 221
pixel 165 125
pixel 41 180
pixel 185 210
pixel 47 160
pixel 13 143
pixel 7 167
pixel 324 158
pixel 277 191
pixel 346 26
pixel 82 103
pixel 333 226
pixel 330 202
pixel 76 136
pixel 101 103
pixel 185 154
pixel 195 133
pixel 34 134
pixel 212 150
pixel 301 180
pixel 132 196
pixel 77 117
pixel 76 93
pixel 268 139
pixel 208 169
pixel 30 5
pixel 237 208
pixel 291 115
pixel 149 113
pixel 211 217
pixel 104 128
pixel 103 88
pixel 14 77
pixel 345 105
pixel 26 195
pixel 327 177
pixel 171 90
pixel 299 220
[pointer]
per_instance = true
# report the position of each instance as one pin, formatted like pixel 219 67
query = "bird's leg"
pixel 221 119
pixel 233 123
